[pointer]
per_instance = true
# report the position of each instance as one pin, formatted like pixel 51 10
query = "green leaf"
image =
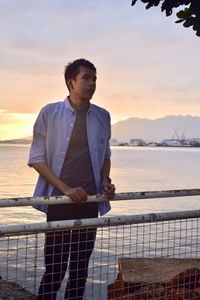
pixel 185 13
pixel 188 23
pixel 180 21
pixel 181 14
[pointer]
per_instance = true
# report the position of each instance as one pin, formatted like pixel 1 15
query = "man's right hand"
pixel 77 195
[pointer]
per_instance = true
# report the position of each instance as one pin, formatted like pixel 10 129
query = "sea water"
pixel 133 169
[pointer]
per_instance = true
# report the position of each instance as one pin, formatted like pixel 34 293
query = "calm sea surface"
pixel 133 169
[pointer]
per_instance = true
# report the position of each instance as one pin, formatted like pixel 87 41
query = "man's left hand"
pixel 108 189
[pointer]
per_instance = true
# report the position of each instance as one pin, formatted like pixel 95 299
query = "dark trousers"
pixel 67 248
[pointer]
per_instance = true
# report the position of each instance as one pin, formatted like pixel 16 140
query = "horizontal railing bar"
pixel 97 222
pixel 29 201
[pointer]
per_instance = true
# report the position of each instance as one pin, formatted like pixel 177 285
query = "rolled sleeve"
pixel 108 151
pixel 38 146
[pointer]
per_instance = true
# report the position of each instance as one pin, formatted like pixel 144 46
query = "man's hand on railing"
pixel 77 195
pixel 108 188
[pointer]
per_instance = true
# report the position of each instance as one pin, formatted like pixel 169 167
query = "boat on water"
pixel 175 143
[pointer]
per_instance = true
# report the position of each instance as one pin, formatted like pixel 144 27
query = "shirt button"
pixel 67 139
pixel 71 124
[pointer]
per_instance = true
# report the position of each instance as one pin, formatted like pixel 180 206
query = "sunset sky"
pixel 147 65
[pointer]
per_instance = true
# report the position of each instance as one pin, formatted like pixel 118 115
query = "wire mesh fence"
pixel 154 256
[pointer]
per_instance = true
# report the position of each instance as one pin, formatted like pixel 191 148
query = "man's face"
pixel 84 85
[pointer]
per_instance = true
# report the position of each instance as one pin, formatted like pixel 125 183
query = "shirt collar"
pixel 69 107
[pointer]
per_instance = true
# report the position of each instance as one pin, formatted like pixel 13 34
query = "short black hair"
pixel 72 68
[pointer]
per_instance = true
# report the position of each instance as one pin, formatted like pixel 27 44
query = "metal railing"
pixel 149 256
pixel 28 201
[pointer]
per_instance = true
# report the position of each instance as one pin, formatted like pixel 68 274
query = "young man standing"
pixel 71 153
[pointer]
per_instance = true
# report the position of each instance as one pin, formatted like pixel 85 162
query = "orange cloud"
pixel 15 125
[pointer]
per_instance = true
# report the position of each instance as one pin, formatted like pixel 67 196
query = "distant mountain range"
pixel 25 140
pixel 156 130
pixel 150 130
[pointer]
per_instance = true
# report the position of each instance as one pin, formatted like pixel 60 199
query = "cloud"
pixel 8 118
pixel 35 33
pixel 15 125
pixel 147 65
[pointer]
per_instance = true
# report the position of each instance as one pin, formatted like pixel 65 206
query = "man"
pixel 71 153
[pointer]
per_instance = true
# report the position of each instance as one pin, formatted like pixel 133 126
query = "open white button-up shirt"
pixel 51 136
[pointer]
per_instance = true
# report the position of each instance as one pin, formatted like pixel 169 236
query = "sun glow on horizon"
pixel 16 125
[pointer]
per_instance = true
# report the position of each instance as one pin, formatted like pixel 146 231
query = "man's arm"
pixel 108 187
pixel 37 159
pixel 76 194
pixel 106 168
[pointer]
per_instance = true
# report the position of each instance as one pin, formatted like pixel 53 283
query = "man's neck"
pixel 78 104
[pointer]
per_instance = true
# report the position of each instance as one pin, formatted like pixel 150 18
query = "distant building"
pixel 137 142
pixel 113 142
pixel 194 142
pixel 123 144
pixel 175 143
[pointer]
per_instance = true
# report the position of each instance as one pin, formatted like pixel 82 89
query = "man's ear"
pixel 69 84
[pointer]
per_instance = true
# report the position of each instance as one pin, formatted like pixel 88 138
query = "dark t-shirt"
pixel 77 168
pixel 77 171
